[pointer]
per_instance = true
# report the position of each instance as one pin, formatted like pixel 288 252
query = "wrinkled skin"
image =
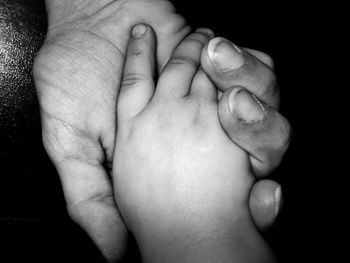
pixel 77 75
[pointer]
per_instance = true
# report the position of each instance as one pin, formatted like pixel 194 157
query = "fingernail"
pixel 225 55
pixel 139 30
pixel 246 106
pixel 278 196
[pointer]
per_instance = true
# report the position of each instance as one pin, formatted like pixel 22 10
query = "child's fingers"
pixel 137 86
pixel 203 87
pixel 176 77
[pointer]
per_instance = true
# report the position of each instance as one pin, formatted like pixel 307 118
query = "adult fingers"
pixel 265 202
pixel 88 192
pixel 256 127
pixel 228 65
pixel 90 203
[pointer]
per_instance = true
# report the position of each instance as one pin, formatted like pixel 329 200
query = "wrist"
pixel 220 245
pixel 228 240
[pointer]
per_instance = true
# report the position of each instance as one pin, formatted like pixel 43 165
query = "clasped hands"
pixel 77 75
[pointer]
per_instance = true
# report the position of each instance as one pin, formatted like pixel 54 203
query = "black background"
pixel 34 225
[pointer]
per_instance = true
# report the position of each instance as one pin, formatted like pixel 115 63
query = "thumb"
pixel 228 66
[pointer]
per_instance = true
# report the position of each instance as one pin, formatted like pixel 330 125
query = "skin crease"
pixel 58 35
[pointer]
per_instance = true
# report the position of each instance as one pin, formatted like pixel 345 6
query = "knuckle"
pixel 270 88
pixel 136 48
pixel 276 141
pixel 287 133
pixel 167 6
pixel 272 80
pixel 174 20
pixel 284 135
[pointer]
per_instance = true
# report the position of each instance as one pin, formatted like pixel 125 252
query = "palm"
pixel 77 111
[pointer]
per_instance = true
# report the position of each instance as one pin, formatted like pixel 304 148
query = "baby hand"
pixel 177 174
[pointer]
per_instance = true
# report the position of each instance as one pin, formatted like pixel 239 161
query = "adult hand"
pixel 77 75
pixel 249 116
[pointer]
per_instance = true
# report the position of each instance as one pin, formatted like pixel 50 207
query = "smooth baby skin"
pixel 181 184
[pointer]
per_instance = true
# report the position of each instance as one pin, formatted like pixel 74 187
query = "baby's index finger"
pixel 176 78
pixel 137 85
